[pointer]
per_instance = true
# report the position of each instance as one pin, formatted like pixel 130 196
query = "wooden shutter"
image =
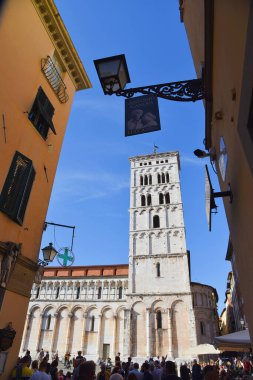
pixel 17 188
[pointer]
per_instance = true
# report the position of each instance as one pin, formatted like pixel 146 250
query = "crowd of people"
pixel 152 369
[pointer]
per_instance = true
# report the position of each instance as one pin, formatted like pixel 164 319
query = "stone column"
pixel 127 334
pixel 26 328
pixel 69 327
pixel 114 336
pixel 54 327
pixel 148 331
pixel 170 322
pixel 40 331
pixel 85 315
pixel 99 335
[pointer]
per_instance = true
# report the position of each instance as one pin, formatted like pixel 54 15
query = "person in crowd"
pixel 68 376
pixel 54 370
pixel 131 376
pixel 116 376
pixel 35 366
pixel 29 358
pixel 41 373
pixel 157 372
pixel 136 372
pixel 146 371
pixel 87 371
pixel 185 372
pixel 169 372
pixel 117 357
pixel 79 355
pixel 41 355
pixel 210 373
pixel 103 374
pixel 116 369
pixel 196 371
pixel 22 370
pixel 246 366
pixel 60 375
pixel 78 363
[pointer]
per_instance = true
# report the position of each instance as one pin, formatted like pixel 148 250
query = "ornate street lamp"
pixel 49 253
pixel 113 75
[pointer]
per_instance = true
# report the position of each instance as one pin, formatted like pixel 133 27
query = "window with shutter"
pixel 41 114
pixel 17 188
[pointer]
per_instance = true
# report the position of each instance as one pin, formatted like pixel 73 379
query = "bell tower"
pixel 158 259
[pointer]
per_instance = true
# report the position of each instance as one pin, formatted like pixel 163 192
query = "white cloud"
pixel 83 186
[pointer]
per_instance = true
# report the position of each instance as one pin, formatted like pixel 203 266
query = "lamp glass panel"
pixel 46 254
pixel 122 76
pixel 108 69
pixel 52 254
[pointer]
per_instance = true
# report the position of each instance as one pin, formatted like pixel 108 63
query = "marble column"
pixel 170 340
pixel 69 328
pixel 148 332
pixel 40 331
pixel 26 330
pixel 99 335
pixel 127 334
pixel 54 327
pixel 114 336
pixel 85 315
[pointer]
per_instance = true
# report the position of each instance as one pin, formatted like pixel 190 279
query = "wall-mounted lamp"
pixel 202 154
pixel 49 253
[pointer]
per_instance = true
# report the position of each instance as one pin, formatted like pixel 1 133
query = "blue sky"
pixel 91 189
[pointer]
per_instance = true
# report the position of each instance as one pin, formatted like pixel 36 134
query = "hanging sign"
pixel 141 115
pixel 65 257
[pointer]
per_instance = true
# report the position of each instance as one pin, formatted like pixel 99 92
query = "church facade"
pixel 145 308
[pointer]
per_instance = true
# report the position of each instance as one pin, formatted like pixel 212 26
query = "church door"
pixel 106 351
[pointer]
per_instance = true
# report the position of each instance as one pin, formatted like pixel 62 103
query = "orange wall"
pixel 24 42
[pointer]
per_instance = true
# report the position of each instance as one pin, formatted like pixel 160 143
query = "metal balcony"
pixel 54 79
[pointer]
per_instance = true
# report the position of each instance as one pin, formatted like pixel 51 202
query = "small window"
pixel 57 293
pixel 150 179
pixel 160 199
pixel 92 327
pixel 49 317
pixel 156 221
pixel 159 319
pixel 120 292
pixel 17 187
pixel 78 292
pixel 37 292
pixel 158 272
pixel 166 161
pixel 140 164
pixel 202 328
pixel 149 200
pixel 41 114
pixel 158 178
pixel 167 198
pixel 163 178
pixel 145 163
pixel 99 293
pixel 157 162
pixel 146 180
pixel 141 180
pixel 143 200
pixel 150 163
pixel 167 178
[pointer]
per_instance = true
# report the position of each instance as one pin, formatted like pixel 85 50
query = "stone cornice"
pixel 155 156
pixel 62 42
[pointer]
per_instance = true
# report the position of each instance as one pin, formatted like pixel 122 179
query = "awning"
pixel 203 349
pixel 237 341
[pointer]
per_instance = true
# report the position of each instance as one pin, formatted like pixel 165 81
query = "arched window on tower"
pixel 156 221
pixel 120 292
pixel 92 326
pixel 146 180
pixel 167 178
pixel 163 178
pixel 143 200
pixel 150 179
pixel 160 199
pixel 48 323
pixel 149 200
pixel 99 294
pixel 57 292
pixel 158 272
pixel 159 319
pixel 158 178
pixel 167 198
pixel 202 328
pixel 141 180
pixel 37 292
pixel 78 292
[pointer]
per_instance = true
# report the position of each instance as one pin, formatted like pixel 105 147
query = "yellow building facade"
pixel 220 34
pixel 40 73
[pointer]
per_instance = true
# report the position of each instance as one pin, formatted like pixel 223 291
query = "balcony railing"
pixel 54 79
